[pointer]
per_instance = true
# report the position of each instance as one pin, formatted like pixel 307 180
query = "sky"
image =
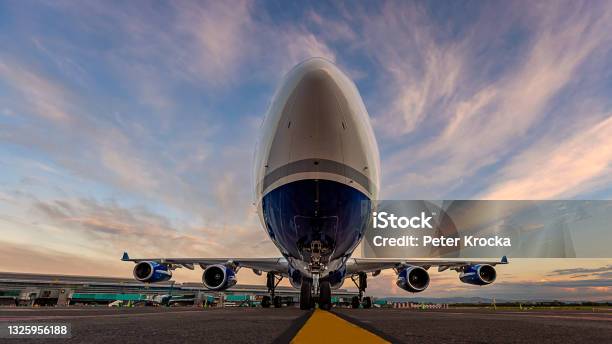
pixel 131 125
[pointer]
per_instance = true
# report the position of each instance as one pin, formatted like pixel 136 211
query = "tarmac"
pixel 257 325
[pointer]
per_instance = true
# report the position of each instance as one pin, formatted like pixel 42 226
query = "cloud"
pixel 95 233
pixel 119 151
pixel 333 29
pixel 466 109
pixel 114 228
pixel 130 169
pixel 301 46
pixel 47 99
pixel 218 43
pixel 36 259
pixel 233 38
pixel 588 283
pixel 132 127
pixel 573 271
pixel 418 72
pixel 556 168
pixel 217 35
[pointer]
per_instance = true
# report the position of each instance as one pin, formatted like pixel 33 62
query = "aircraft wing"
pixel 355 265
pixel 278 265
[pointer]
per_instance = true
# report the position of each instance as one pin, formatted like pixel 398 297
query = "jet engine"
pixel 481 274
pixel 218 277
pixel 151 272
pixel 413 279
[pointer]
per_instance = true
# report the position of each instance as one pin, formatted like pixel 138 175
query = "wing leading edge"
pixel 356 265
pixel 353 265
pixel 277 265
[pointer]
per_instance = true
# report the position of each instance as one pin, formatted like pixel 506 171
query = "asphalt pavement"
pixel 257 325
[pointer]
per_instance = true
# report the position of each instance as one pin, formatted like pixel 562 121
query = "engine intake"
pixel 151 272
pixel 413 279
pixel 481 274
pixel 218 277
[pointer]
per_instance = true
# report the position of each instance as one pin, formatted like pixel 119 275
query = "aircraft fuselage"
pixel 316 171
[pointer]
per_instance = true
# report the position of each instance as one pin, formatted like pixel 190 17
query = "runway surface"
pixel 256 325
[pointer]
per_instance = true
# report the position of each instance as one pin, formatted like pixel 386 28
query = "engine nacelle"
pixel 413 279
pixel 151 272
pixel 481 274
pixel 218 277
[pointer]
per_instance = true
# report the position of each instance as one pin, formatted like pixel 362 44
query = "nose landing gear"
pixel 307 300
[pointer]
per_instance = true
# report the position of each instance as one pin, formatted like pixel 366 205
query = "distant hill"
pixel 471 300
pixel 474 300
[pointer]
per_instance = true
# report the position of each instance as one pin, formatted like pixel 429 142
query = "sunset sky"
pixel 131 125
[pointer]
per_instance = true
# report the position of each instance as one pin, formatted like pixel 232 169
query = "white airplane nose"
pixel 315 119
pixel 317 128
pixel 312 65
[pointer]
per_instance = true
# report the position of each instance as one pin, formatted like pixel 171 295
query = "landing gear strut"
pixel 361 282
pixel 272 282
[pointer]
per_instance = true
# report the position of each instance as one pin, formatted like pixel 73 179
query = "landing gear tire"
pixel 355 302
pixel 361 282
pixel 265 302
pixel 306 301
pixel 272 282
pixel 325 296
pixel 367 302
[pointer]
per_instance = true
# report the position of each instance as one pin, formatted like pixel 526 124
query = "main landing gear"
pixel 361 281
pixel 272 282
pixel 308 288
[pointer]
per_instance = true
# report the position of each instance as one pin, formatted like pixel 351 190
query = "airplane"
pixel 317 171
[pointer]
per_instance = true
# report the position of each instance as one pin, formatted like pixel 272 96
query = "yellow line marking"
pixel 325 327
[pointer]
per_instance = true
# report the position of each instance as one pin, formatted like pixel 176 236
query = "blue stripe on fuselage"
pixel 302 211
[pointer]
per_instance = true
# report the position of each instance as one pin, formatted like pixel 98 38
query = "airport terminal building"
pixel 22 289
